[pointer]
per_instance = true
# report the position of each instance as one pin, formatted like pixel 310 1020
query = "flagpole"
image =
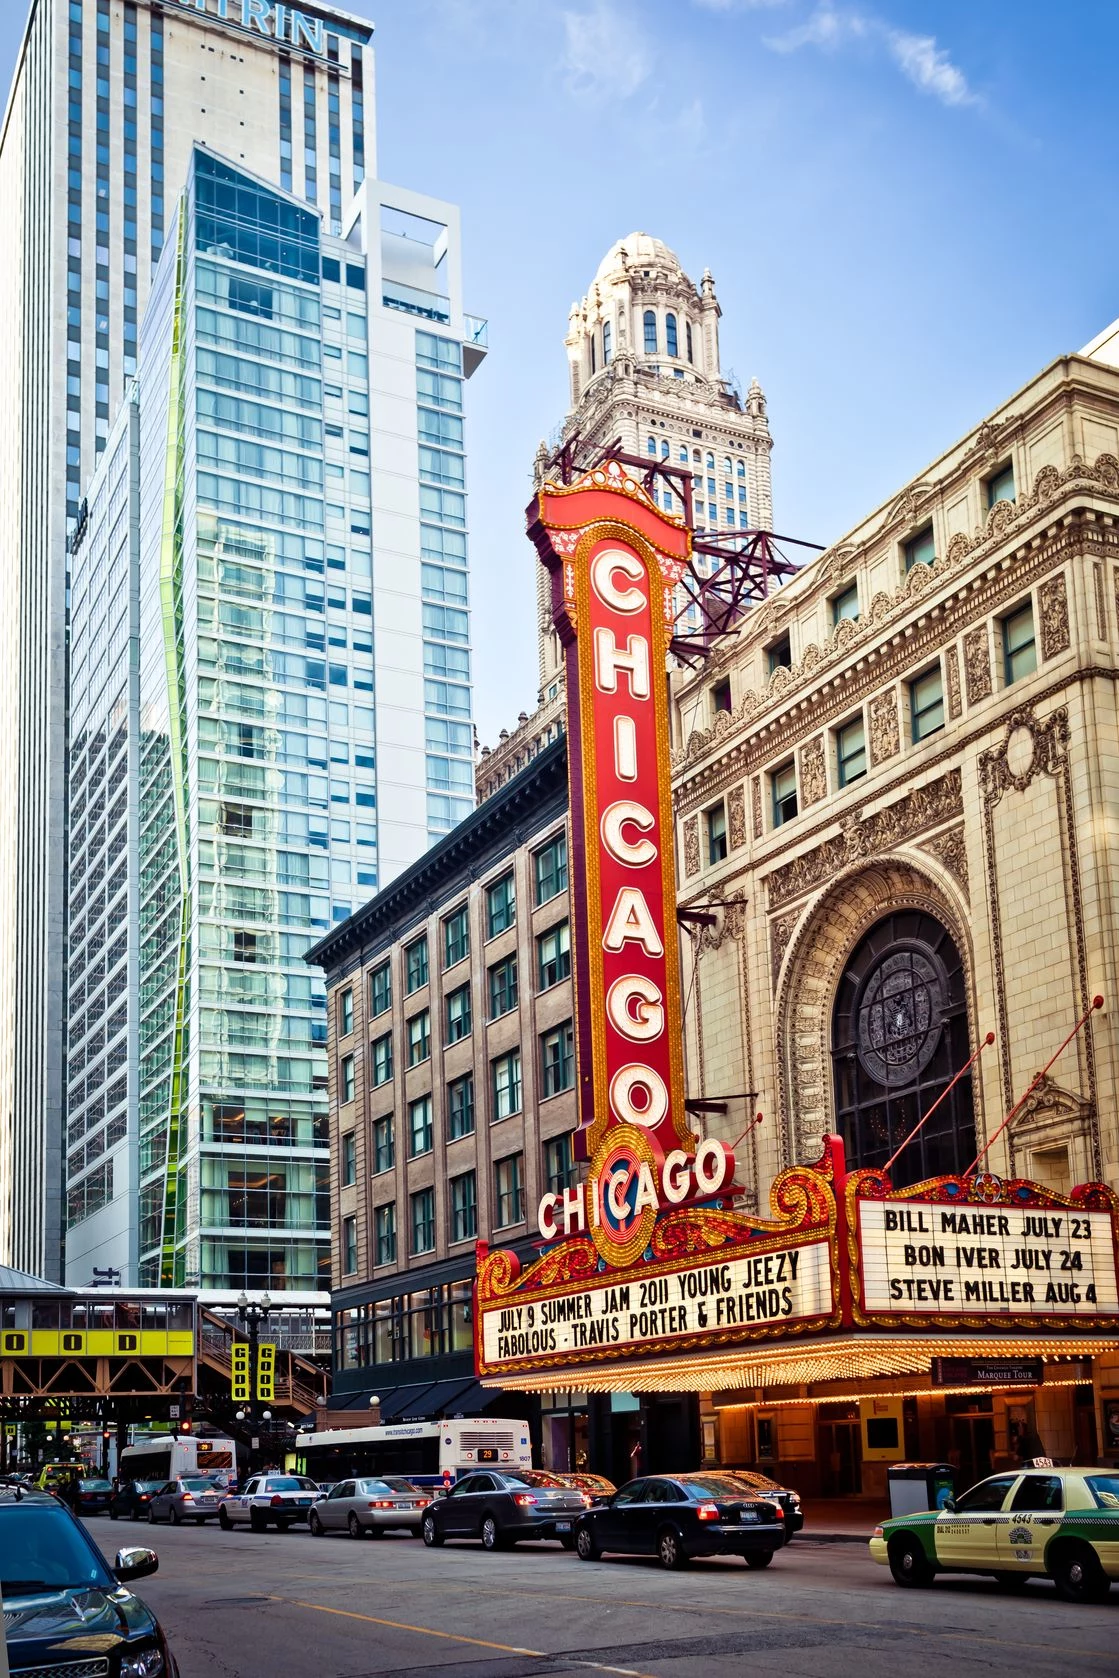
pixel 944 1094
pixel 1097 1002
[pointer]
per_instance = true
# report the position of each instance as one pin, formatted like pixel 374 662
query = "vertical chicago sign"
pixel 615 560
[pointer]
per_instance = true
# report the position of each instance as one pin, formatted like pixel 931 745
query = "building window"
pixel 384 1153
pixel 423 1221
pixel 670 339
pixel 464 1207
pixel 456 937
pixel 1019 648
pixel 415 966
pixel 688 338
pixel 419 1038
pixel 346 1012
pixel 510 1195
pixel 1000 486
pixel 346 1070
pixel 551 869
pixel 382 1060
pixel 919 550
pixel 650 332
pixel 458 1014
pixel 783 787
pixel 501 905
pixel 420 1128
pixel 349 1159
pixel 715 824
pixel 557 1059
pixel 720 696
pixel 850 751
pixel 553 955
pixel 503 987
pixel 846 604
pixel 607 350
pixel 460 1108
pixel 779 654
pixel 380 990
pixel 559 1166
pixel 506 1071
pixel 384 1223
pixel 349 1246
pixel 926 704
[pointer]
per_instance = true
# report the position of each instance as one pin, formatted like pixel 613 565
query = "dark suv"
pixel 65 1608
pixel 501 1508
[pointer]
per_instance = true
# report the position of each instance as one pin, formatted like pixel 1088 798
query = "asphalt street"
pixel 286 1605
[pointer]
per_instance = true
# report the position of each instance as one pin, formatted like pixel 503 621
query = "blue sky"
pixel 908 207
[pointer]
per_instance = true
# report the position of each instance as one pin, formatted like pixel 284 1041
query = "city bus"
pixel 164 1457
pixel 427 1453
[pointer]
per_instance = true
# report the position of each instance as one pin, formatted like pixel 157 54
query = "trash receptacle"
pixel 915 1486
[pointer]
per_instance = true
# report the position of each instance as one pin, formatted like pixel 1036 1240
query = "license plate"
pixel 407 1506
pixel 302 1502
pixel 563 1526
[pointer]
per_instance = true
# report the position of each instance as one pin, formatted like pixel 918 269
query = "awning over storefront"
pixel 426 1400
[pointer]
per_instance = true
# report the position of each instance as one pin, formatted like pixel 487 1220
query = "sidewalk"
pixel 843 1520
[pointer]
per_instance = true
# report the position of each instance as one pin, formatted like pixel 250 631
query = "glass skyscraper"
pixel 271 708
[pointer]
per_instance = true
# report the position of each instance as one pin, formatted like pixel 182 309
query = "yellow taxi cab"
pixel 1037 1522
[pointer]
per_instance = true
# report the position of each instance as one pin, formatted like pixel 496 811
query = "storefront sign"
pixel 615 560
pixel 987 1372
pixel 971 1250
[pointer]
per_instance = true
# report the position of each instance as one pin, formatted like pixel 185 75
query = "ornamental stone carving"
pixel 977 664
pixel 781 929
pixel 1030 748
pixel 1052 604
pixel 1101 604
pixel 950 850
pixel 922 807
pixel 730 921
pixel 756 806
pixel 952 681
pixel 884 737
pixel 736 816
pixel 813 771
pixel 691 846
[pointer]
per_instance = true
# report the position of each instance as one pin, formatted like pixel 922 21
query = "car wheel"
pixel 759 1558
pixel 585 1547
pixel 151 1516
pixel 133 1514
pixel 670 1550
pixel 112 1514
pixel 430 1533
pixel 1078 1575
pixel 223 1520
pixel 908 1562
pixel 567 1542
pixel 492 1536
pixel 176 1518
pixel 355 1526
pixel 315 1525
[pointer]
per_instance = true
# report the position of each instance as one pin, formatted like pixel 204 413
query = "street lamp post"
pixel 252 1314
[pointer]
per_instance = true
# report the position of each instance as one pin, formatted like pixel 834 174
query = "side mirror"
pixel 948 1507
pixel 135 1564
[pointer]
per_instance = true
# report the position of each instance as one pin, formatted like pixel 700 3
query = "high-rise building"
pixel 271 708
pixel 107 100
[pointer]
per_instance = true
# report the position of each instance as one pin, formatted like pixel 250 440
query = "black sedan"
pixel 763 1485
pixel 678 1516
pixel 94 1496
pixel 502 1508
pixel 131 1498
pixel 64 1608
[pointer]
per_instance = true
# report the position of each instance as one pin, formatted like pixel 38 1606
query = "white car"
pixel 277 1500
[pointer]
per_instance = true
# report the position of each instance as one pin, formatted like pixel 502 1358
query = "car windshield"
pixel 95 1485
pixel 532 1477
pixel 1105 1489
pixel 197 1485
pixel 42 1548
pixel 289 1483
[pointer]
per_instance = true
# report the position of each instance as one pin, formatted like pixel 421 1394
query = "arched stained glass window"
pixel 650 332
pixel 670 339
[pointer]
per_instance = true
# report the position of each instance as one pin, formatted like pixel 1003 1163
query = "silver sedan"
pixel 189 1498
pixel 360 1507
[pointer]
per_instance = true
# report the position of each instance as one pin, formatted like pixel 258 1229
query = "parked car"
pixel 94 1496
pixel 364 1507
pixel 595 1485
pixel 62 1599
pixel 191 1497
pixel 502 1508
pixel 789 1500
pixel 131 1498
pixel 678 1516
pixel 277 1500
pixel 1055 1522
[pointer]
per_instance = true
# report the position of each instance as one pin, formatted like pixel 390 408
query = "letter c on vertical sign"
pixel 622 813
pixel 604 565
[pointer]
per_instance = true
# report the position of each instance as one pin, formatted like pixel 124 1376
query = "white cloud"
pixel 918 57
pixel 605 53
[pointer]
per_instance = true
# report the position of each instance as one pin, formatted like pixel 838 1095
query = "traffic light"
pixel 241 1369
pixel 265 1371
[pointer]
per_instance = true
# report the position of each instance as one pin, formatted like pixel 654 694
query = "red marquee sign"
pixel 615 560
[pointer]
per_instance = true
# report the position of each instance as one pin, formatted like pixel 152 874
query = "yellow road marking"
pixel 400 1625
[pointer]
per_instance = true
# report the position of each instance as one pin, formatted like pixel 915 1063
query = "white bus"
pixel 427 1453
pixel 164 1457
